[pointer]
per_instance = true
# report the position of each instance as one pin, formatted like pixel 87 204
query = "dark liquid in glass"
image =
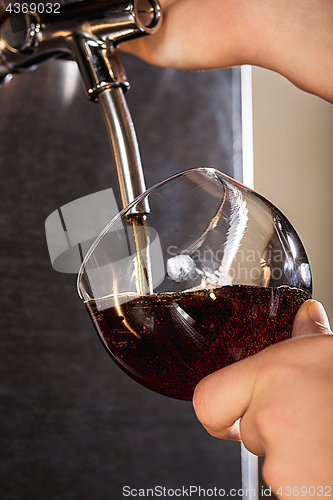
pixel 169 342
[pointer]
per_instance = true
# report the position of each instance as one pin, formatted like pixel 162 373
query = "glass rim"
pixel 136 201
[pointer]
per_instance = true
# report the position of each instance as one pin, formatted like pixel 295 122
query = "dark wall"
pixel 73 426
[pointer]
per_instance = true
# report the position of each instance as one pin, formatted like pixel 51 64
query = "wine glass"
pixel 210 273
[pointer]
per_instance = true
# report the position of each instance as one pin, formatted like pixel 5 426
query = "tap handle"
pixel 145 12
pixel 28 38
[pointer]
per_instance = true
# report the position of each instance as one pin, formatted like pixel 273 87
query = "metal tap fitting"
pixel 28 38
pixel 88 32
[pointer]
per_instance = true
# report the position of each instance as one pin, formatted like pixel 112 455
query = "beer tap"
pixel 88 32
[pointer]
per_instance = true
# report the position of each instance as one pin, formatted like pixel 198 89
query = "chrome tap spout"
pixel 89 33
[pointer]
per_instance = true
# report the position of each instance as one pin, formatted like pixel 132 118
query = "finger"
pixel 222 398
pixel 311 319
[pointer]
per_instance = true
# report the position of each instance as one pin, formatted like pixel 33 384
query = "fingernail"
pixel 318 314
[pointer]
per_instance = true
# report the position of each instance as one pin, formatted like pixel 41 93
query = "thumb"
pixel 311 319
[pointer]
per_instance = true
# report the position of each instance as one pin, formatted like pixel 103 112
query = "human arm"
pixel 280 404
pixel 293 38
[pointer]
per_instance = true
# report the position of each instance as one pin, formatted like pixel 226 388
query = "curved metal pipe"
pixel 124 145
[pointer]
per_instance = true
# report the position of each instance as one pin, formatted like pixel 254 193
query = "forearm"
pixel 194 35
pixel 293 38
pixel 296 40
